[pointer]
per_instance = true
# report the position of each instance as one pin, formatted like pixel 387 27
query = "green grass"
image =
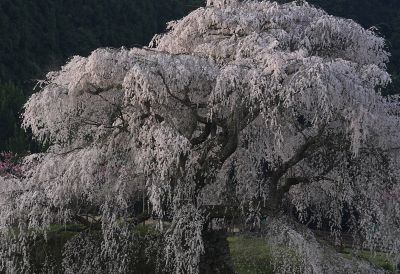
pixel 250 255
pixel 376 258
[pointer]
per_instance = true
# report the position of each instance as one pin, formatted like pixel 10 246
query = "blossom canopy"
pixel 254 107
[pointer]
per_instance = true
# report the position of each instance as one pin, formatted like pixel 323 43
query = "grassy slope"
pixel 252 255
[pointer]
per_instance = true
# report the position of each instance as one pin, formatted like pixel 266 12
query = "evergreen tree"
pixel 12 137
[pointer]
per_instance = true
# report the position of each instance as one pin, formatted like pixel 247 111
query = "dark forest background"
pixel 37 36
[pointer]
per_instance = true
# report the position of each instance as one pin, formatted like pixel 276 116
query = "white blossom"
pixel 250 105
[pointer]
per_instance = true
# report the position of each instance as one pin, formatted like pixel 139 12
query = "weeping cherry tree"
pixel 269 114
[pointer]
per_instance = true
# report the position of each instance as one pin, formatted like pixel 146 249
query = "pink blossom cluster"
pixel 9 165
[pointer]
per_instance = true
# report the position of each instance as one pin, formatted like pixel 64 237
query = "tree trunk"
pixel 216 258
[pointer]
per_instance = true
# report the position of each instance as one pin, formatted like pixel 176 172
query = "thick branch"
pixel 203 136
pixel 297 157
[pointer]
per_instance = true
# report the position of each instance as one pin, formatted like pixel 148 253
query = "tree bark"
pixel 216 258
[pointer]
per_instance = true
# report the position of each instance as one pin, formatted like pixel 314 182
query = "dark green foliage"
pixel 39 35
pixel 12 137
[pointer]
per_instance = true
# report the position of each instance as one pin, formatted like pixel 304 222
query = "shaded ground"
pixel 251 255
